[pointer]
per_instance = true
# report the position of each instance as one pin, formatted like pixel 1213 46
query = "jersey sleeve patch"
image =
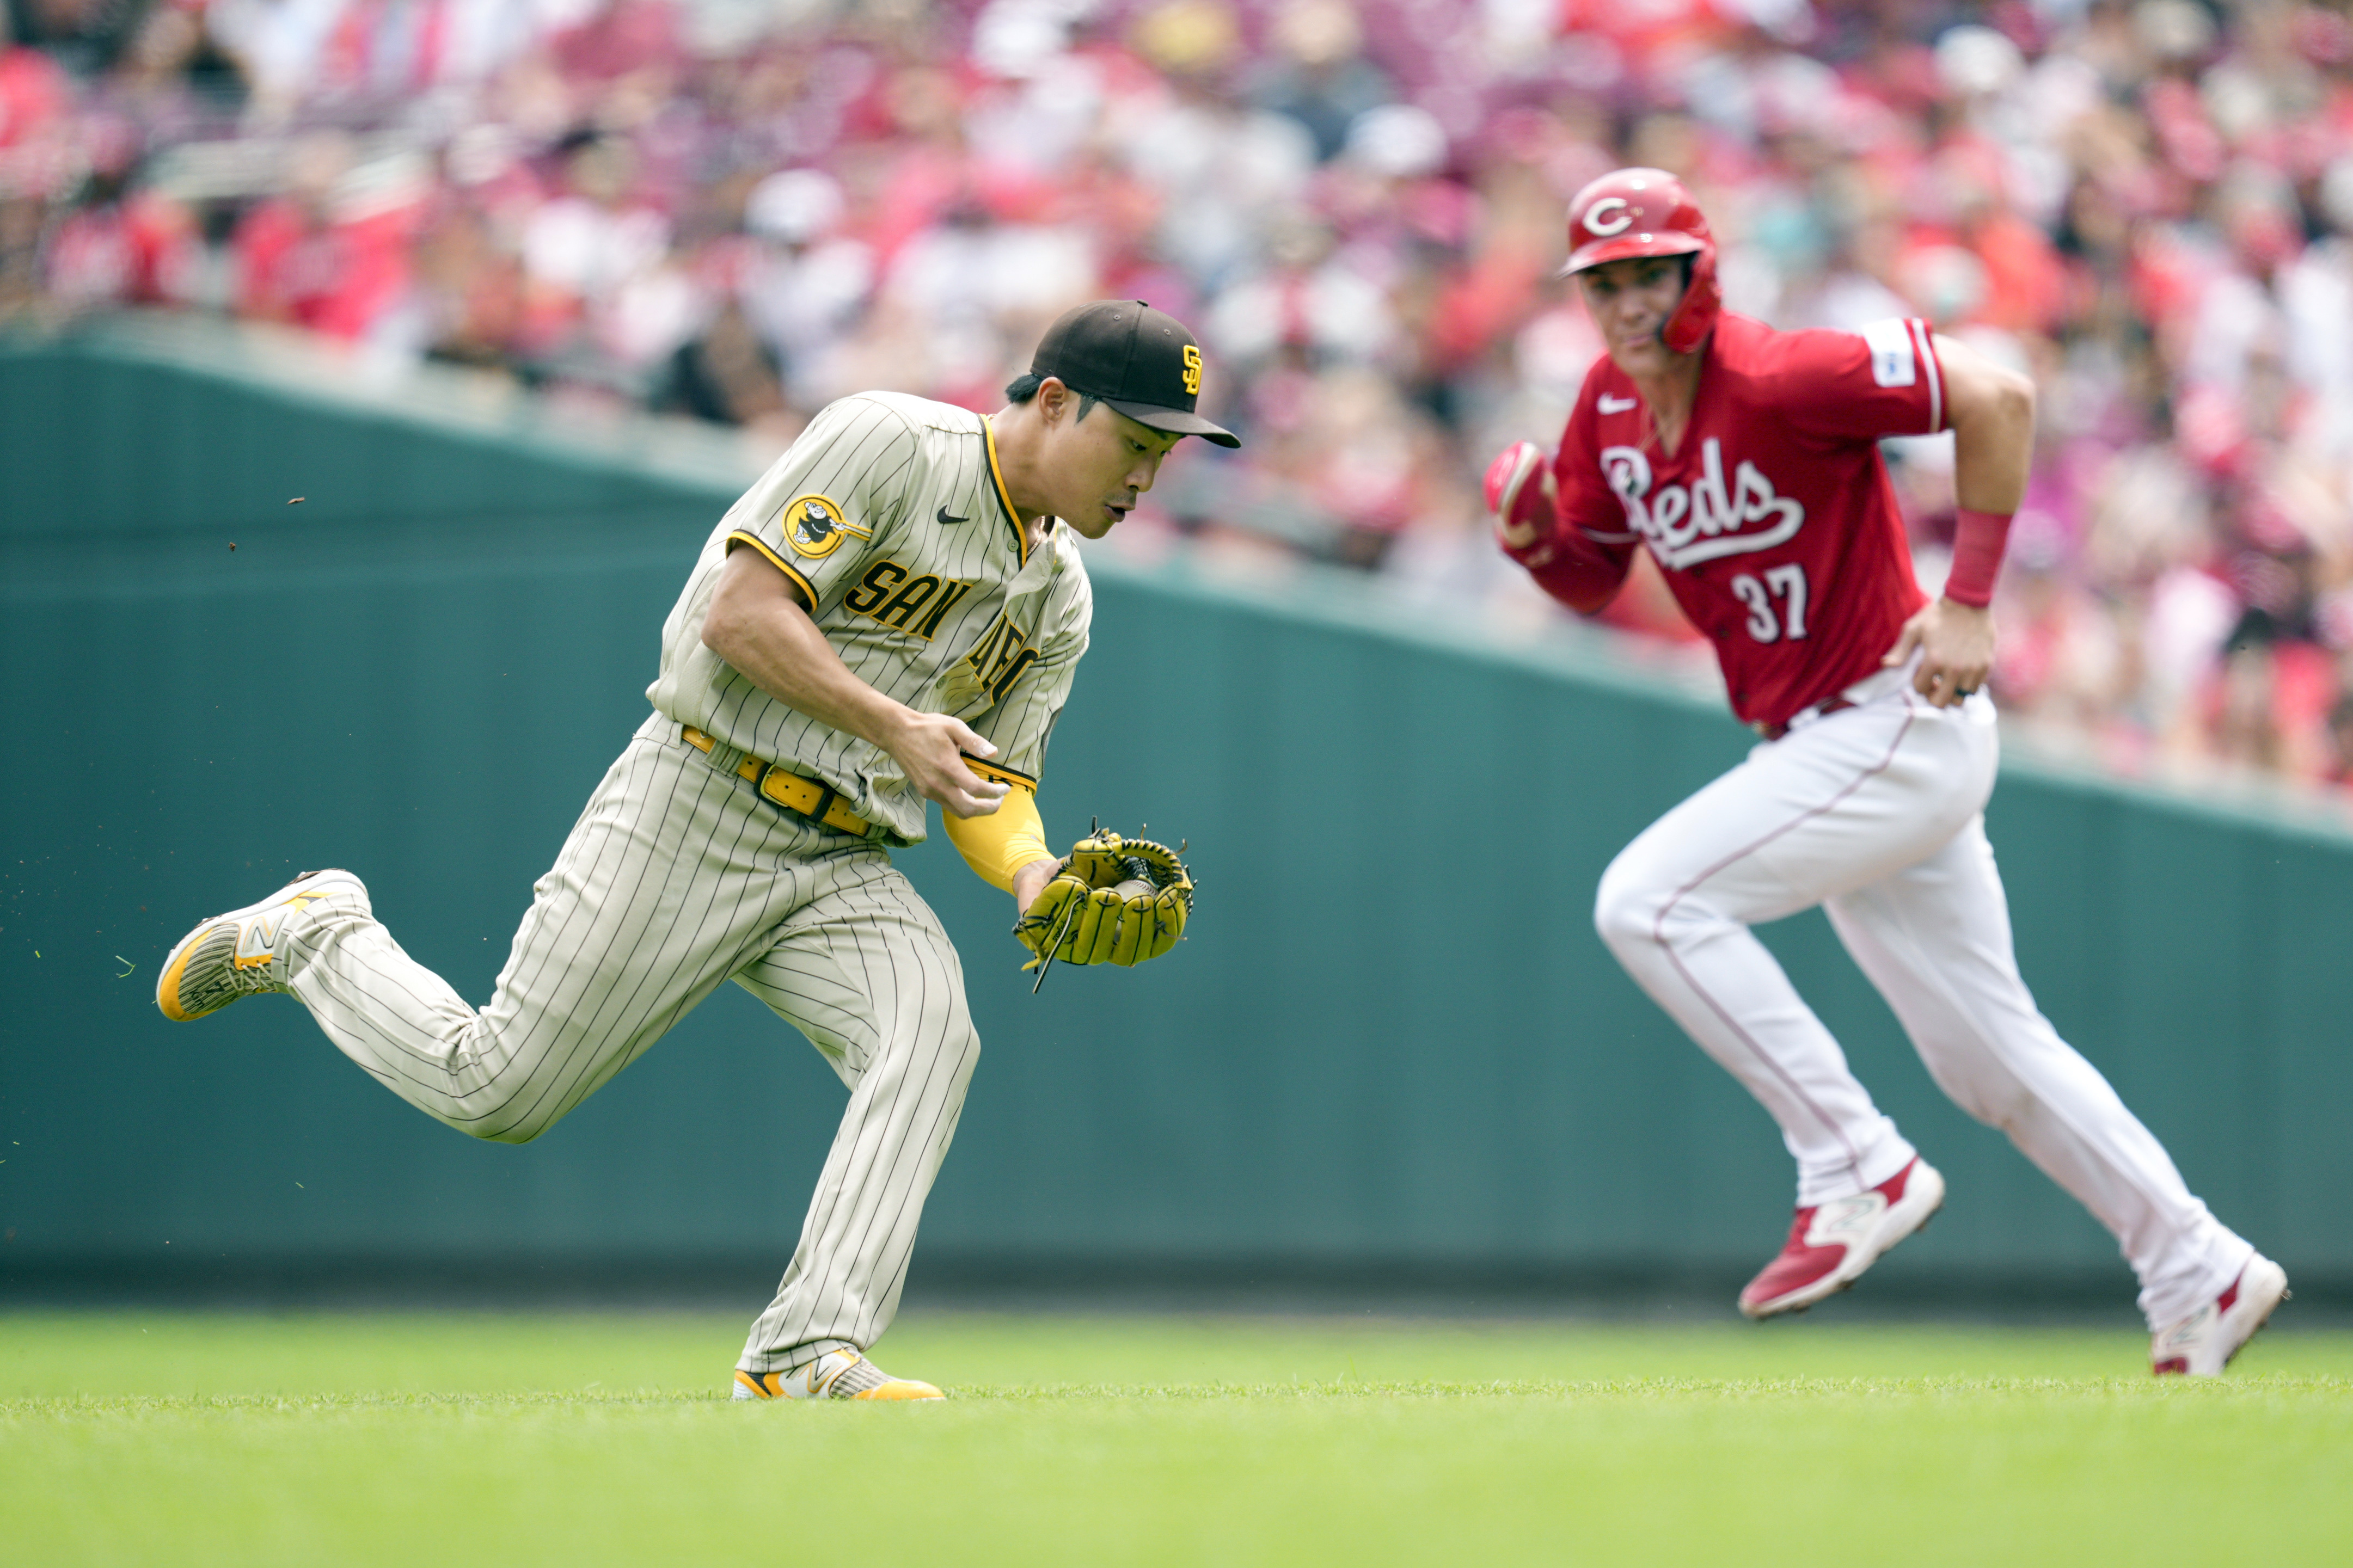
pixel 815 528
pixel 1894 361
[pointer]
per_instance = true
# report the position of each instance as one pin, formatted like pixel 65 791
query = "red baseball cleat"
pixel 1832 1244
pixel 2201 1344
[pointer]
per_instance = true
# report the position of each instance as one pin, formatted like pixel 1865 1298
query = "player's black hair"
pixel 1024 387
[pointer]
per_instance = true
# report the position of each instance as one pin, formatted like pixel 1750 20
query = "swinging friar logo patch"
pixel 814 526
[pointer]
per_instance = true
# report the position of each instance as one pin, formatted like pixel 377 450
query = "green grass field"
pixel 414 1439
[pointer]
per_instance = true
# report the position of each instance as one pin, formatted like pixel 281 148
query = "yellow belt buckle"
pixel 777 785
pixel 773 785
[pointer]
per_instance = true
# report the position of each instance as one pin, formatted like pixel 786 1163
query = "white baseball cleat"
pixel 836 1375
pixel 2201 1344
pixel 237 955
pixel 1832 1244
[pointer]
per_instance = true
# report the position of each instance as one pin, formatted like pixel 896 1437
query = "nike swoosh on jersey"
pixel 1609 405
pixel 942 515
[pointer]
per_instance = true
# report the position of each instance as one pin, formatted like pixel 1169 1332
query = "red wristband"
pixel 1977 541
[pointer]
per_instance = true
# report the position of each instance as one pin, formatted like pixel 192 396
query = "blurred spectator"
pixel 1316 71
pixel 333 253
pixel 737 210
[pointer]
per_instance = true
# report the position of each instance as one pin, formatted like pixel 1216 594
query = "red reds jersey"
pixel 1773 521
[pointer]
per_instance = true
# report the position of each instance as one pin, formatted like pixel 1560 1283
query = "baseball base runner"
pixel 1746 461
pixel 893 613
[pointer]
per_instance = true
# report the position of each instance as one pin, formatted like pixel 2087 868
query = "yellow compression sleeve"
pixel 998 845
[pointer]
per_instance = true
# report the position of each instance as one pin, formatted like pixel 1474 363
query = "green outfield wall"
pixel 1391 1049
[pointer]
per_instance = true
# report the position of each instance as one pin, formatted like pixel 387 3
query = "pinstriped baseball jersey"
pixel 890 515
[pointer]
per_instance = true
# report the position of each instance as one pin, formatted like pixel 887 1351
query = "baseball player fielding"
pixel 1746 461
pixel 892 614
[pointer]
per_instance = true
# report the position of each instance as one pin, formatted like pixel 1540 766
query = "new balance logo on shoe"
pixel 1845 1218
pixel 2201 1344
pixel 2186 1335
pixel 1832 1244
pixel 258 938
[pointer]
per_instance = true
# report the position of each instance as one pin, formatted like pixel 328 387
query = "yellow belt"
pixel 818 802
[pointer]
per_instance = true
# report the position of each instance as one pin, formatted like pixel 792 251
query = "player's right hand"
pixel 1522 495
pixel 1956 645
pixel 929 750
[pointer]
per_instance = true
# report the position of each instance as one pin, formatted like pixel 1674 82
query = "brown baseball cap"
pixel 1140 360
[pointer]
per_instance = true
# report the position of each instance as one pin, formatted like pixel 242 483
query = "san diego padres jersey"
pixel 890 513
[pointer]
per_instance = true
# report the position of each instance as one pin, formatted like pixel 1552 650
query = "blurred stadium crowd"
pixel 739 209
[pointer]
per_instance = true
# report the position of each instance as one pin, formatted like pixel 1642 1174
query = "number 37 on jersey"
pixel 1775 599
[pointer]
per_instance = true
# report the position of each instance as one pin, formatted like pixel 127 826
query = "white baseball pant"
pixel 678 876
pixel 1876 814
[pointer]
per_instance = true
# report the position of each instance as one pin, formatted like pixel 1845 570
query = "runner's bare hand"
pixel 1955 645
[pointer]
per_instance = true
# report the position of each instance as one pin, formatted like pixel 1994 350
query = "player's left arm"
pixel 1111 899
pixel 1009 851
pixel 1007 848
pixel 1991 412
pixel 1031 879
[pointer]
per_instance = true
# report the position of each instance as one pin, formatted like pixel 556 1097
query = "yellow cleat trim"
pixel 272 915
pixel 770 1385
pixel 167 985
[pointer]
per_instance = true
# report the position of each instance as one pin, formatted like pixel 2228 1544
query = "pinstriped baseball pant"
pixel 676 877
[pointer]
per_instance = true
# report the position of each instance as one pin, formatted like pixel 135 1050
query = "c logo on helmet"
pixel 1609 216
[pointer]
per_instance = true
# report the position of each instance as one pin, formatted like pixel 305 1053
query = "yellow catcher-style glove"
pixel 1113 901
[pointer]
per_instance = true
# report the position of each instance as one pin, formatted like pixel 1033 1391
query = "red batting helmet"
pixel 1647 212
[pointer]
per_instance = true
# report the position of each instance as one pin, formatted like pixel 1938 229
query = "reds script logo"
pixel 1685 525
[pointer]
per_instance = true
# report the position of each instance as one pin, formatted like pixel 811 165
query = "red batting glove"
pixel 1523 496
